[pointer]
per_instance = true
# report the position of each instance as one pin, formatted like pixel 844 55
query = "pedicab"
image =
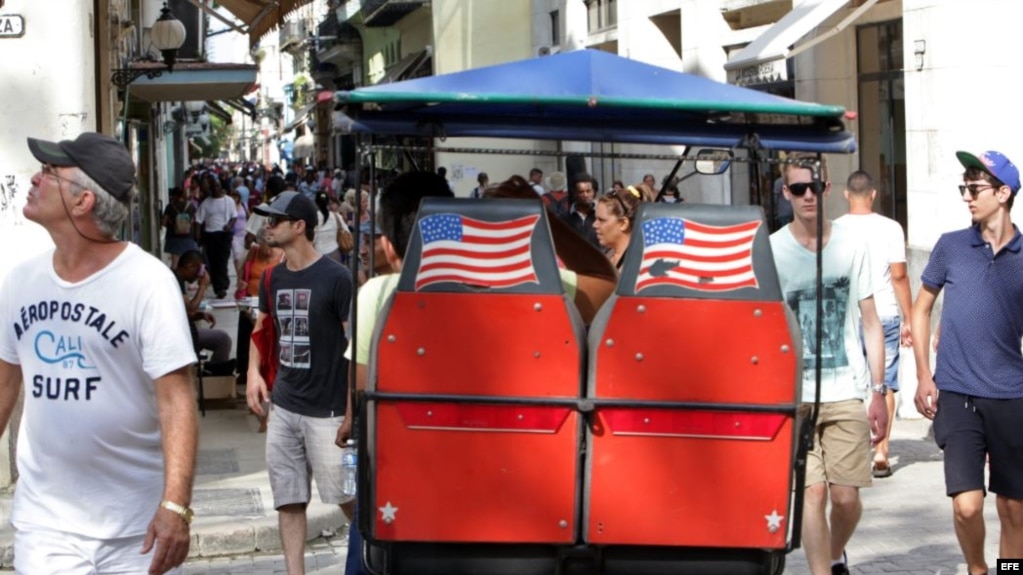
pixel 497 432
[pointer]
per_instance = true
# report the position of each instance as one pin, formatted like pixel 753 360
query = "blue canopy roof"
pixel 597 96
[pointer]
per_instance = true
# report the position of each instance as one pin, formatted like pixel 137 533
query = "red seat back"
pixel 694 371
pixel 476 366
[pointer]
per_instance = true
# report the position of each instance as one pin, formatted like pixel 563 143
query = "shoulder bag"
pixel 266 338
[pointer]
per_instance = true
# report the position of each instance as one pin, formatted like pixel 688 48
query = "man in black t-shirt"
pixel 308 299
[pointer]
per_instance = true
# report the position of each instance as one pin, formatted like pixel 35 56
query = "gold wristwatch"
pixel 184 512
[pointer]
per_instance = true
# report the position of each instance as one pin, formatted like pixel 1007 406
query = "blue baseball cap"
pixel 995 164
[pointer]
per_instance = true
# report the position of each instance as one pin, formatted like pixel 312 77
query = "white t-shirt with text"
pixel 89 449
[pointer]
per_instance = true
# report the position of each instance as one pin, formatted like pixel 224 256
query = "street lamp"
pixel 167 35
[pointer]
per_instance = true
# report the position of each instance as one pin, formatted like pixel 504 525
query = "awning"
pixel 304 146
pixel 217 110
pixel 406 67
pixel 193 81
pixel 757 61
pixel 300 117
pixel 261 16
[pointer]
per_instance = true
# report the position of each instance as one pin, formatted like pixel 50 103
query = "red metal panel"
pixel 495 345
pixel 697 350
pixel 483 417
pixel 447 472
pixel 693 423
pixel 472 485
pixel 689 491
pixel 691 477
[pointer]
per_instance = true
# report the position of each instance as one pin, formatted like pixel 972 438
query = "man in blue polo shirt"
pixel 975 394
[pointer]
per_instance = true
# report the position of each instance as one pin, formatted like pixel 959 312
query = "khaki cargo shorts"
pixel 841 447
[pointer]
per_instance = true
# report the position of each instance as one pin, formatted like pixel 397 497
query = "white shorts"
pixel 39 551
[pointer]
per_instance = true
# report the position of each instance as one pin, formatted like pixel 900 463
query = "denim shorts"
pixel 892 327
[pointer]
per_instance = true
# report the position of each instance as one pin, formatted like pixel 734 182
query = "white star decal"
pixel 774 521
pixel 388 512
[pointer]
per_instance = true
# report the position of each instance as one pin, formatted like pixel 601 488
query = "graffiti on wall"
pixel 9 206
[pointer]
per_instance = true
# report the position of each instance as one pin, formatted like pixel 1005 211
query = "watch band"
pixel 879 388
pixel 185 513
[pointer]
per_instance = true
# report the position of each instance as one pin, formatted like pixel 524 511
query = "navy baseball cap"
pixel 101 157
pixel 995 164
pixel 293 205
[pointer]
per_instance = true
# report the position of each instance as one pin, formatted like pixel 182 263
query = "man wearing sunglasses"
pixel 840 462
pixel 97 330
pixel 975 393
pixel 308 297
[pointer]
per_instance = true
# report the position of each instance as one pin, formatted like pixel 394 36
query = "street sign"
pixel 11 25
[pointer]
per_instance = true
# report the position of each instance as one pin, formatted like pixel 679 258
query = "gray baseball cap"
pixel 101 157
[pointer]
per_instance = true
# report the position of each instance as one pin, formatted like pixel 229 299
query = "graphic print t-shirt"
pixel 847 279
pixel 309 308
pixel 89 449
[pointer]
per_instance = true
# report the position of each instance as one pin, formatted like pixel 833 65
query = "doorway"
pixel 882 113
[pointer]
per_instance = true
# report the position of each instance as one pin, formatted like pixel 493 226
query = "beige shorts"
pixel 841 447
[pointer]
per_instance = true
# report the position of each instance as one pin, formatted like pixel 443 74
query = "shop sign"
pixel 11 25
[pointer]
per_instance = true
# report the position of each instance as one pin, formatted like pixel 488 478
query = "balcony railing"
pixel 293 33
pixel 381 13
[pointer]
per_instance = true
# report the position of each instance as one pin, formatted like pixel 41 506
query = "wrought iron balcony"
pixel 382 13
pixel 293 33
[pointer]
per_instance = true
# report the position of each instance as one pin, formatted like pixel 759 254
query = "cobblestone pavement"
pixel 906 527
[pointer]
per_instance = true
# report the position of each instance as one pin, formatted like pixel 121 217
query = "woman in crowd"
pixel 238 252
pixel 616 213
pixel 260 257
pixel 328 224
pixel 179 220
pixel 670 195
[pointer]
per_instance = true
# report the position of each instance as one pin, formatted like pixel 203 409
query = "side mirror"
pixel 713 162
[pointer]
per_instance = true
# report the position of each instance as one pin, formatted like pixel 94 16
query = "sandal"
pixel 882 469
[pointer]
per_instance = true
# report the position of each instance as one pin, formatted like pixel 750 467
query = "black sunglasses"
pixel 799 189
pixel 975 189
pixel 273 220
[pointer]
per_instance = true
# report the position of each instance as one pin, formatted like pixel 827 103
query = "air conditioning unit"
pixel 547 50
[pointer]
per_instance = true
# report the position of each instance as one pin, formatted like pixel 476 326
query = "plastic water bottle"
pixel 349 479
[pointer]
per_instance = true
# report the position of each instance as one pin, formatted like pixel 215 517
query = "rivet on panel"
pixel 536 354
pixel 646 421
pixel 429 414
pixel 563 524
pixel 537 306
pixel 755 360
pixel 391 339
pixel 757 312
pixel 738 424
pixel 641 308
pixel 521 417
pixel 784 349
pixel 421 351
pixel 609 342
pixel 639 357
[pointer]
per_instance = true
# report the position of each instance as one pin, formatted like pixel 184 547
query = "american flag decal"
pixel 680 252
pixel 473 252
